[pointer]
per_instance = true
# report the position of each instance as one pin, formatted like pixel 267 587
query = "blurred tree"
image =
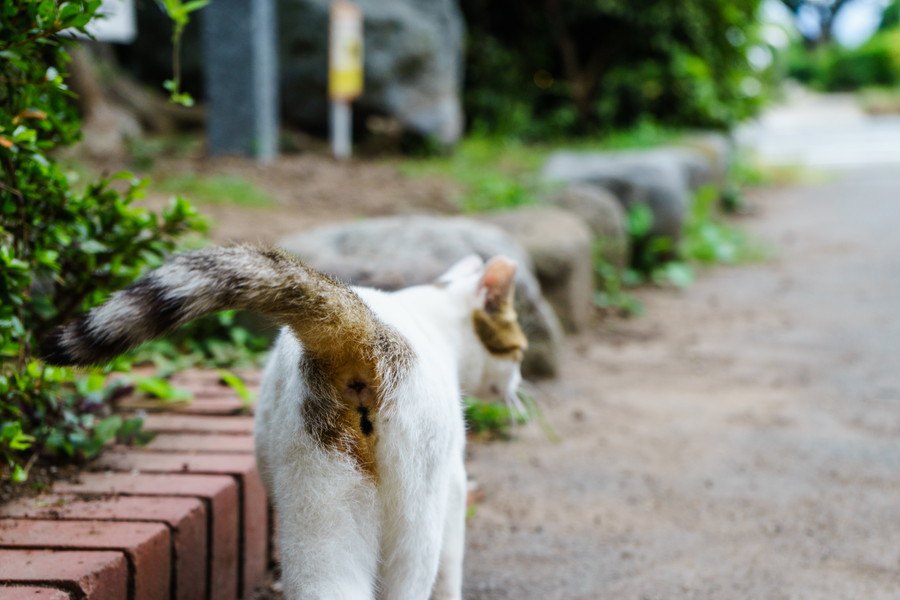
pixel 577 66
pixel 890 18
pixel 825 11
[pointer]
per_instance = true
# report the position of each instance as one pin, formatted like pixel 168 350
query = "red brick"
pixel 211 395
pixel 168 423
pixel 147 546
pixel 251 378
pixel 218 491
pixel 90 575
pixel 169 442
pixel 214 406
pixel 32 593
pixel 185 517
pixel 198 406
pixel 254 509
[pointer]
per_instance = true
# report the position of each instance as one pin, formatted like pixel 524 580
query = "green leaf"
pixel 194 5
pixel 19 474
pixel 162 389
pixel 236 384
pixel 679 274
pixel 107 428
pixel 640 220
pixel 92 247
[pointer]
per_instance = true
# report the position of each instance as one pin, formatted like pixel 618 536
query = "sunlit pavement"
pixel 819 131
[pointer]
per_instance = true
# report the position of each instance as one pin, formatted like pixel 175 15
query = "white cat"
pixel 359 429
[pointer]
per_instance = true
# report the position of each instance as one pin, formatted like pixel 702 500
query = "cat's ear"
pixel 467 267
pixel 498 284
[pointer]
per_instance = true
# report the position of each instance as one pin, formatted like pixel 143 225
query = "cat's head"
pixel 493 342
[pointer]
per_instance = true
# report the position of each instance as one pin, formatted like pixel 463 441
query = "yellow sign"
pixel 345 52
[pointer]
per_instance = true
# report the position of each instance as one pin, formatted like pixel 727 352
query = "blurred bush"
pixel 832 67
pixel 62 249
pixel 563 68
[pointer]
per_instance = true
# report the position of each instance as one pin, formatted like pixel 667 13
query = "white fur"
pixel 342 536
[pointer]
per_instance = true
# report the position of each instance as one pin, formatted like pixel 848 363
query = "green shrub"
pixel 61 250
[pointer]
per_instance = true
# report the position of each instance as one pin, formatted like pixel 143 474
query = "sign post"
pixel 345 72
pixel 241 76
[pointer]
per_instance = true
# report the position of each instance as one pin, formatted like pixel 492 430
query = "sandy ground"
pixel 309 190
pixel 741 440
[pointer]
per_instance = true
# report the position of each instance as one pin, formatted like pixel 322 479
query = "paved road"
pixel 742 440
pixel 823 131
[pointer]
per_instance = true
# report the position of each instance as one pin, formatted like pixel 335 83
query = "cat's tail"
pixel 326 315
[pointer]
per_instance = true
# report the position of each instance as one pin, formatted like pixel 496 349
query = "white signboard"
pixel 114 22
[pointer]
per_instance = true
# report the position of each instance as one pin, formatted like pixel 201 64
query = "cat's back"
pixel 421 402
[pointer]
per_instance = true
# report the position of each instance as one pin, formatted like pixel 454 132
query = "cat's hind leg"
pixel 450 573
pixel 411 539
pixel 328 531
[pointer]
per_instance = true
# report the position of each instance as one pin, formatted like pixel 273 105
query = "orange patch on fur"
pixel 347 392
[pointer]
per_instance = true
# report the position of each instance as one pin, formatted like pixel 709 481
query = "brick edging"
pixel 183 518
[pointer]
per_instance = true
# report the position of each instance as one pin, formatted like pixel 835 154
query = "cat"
pixel 359 427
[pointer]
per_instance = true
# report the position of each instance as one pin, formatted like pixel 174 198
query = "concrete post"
pixel 241 76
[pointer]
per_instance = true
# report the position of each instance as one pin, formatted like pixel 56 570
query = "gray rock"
pixel 697 168
pixel 560 246
pixel 395 252
pixel 717 148
pixel 604 215
pixel 656 179
pixel 413 63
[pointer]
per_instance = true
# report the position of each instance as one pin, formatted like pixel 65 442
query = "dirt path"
pixel 742 440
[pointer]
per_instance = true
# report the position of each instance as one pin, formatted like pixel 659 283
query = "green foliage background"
pixel 832 67
pixel 575 67
pixel 61 250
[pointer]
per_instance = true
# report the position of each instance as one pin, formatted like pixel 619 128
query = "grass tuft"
pixel 215 189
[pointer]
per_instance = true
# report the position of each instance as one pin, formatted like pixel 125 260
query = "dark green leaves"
pixel 61 250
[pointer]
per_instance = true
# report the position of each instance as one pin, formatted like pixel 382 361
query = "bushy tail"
pixel 324 313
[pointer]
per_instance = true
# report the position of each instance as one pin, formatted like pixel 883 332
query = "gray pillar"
pixel 241 76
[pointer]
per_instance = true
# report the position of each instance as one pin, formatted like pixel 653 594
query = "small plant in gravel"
pixel 61 250
pixel 707 239
pixel 612 289
pixel 216 189
pixel 491 419
pixel 495 173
